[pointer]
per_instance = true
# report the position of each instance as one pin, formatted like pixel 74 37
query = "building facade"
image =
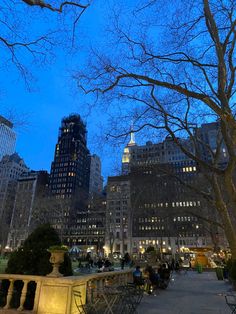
pixel 11 168
pixel 96 179
pixel 118 215
pixel 31 189
pixel 163 210
pixel 7 137
pixel 69 177
pixel 89 233
pixel 71 165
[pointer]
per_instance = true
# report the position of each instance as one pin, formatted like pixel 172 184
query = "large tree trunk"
pixel 229 229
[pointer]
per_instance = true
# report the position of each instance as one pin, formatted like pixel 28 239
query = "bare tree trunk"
pixel 229 229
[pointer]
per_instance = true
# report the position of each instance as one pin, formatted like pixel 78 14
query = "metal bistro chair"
pixel 231 302
pixel 131 297
pixel 83 308
pixel 104 302
pixel 108 300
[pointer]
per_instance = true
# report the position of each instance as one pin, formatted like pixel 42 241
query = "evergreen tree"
pixel 33 258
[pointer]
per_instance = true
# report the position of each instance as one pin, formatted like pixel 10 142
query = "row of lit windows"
pixel 186 204
pixel 151 219
pixel 189 169
pixel 93 232
pixel 173 204
pixel 148 242
pixel 61 195
pixel 177 241
pixel 151 227
pixel 185 218
pixel 65 174
pixel 62 185
pixel 83 240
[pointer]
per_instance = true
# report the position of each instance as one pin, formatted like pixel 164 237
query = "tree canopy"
pixel 173 68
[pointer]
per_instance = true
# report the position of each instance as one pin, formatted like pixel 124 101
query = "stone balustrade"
pixel 45 295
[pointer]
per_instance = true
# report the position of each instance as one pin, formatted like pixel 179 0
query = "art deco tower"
pixel 70 168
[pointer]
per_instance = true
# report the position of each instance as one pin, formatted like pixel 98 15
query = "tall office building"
pixel 71 166
pixel 31 191
pixel 118 215
pixel 69 178
pixel 163 211
pixel 96 179
pixel 7 137
pixel 11 168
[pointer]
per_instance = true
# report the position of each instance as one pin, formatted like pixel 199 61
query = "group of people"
pixel 151 278
pixel 102 264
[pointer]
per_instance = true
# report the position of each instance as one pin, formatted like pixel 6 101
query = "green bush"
pixel 33 257
pixel 150 249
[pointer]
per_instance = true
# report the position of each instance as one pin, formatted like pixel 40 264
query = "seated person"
pixel 164 272
pixel 107 265
pixel 153 276
pixel 137 276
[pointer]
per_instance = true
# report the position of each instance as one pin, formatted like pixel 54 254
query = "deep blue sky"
pixel 55 96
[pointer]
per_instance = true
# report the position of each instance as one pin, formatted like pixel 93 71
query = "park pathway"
pixel 190 293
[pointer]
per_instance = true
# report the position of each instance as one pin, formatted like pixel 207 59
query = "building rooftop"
pixel 6 122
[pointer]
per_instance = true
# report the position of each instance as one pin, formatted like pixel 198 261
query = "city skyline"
pixel 45 164
pixel 52 93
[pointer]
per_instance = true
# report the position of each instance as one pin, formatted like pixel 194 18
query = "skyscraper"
pixel 96 179
pixel 69 178
pixel 7 137
pixel 11 168
pixel 71 165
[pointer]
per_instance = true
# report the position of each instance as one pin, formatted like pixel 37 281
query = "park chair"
pixel 138 280
pixel 231 302
pixel 130 297
pixel 83 308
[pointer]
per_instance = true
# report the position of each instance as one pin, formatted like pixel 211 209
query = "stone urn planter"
pixel 56 259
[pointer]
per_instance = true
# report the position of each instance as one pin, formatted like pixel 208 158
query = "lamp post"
pixel 197 227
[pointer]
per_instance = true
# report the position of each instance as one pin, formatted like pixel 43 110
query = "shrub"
pixel 33 257
pixel 150 249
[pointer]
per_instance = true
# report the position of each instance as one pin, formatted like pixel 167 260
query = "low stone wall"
pixel 55 295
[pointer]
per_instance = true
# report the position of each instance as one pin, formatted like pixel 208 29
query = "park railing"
pixel 41 295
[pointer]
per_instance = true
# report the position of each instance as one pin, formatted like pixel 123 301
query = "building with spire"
pixel 150 206
pixel 127 154
pixel 7 137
